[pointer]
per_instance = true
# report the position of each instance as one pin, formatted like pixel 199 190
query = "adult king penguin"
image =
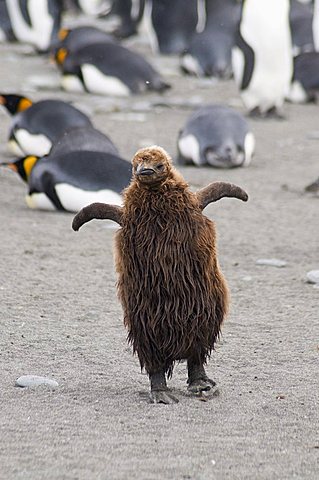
pixel 262 57
pixel 69 181
pixel 35 126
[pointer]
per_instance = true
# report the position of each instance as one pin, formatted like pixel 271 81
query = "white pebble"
pixel 313 276
pixel 272 262
pixel 35 381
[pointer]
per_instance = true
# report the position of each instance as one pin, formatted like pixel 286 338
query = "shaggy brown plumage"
pixel 170 285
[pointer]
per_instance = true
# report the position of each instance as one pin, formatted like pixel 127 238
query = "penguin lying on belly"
pixel 218 136
pixel 83 138
pixel 209 52
pixel 76 38
pixel 107 69
pixel 70 181
pixel 35 126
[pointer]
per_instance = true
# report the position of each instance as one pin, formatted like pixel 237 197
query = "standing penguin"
pixel 173 23
pixel 35 21
pixel 262 57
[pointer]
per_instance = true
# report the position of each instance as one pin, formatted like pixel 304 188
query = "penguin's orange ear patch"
pixel 24 104
pixel 61 55
pixel 63 33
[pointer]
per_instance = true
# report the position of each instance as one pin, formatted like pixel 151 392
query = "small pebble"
pixel 35 381
pixel 313 276
pixel 272 262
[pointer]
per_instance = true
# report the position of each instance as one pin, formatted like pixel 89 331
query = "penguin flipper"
pixel 101 211
pixel 217 190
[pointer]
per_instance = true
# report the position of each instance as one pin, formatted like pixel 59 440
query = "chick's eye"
pixel 160 166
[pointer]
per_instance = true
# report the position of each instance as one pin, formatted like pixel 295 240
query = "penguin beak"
pixel 12 166
pixel 144 171
pixel 2 100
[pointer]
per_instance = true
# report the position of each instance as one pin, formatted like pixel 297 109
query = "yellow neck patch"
pixel 28 164
pixel 63 33
pixel 61 55
pixel 24 104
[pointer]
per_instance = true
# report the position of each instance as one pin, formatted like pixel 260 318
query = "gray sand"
pixel 60 316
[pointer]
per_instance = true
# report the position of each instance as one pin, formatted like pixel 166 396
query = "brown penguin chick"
pixel 173 293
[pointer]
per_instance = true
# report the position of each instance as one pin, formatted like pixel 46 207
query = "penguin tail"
pixel 159 85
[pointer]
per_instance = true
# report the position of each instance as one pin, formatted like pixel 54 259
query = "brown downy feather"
pixel 173 293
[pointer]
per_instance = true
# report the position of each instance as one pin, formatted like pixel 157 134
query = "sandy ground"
pixel 60 316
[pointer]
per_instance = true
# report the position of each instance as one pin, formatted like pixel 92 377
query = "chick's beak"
pixel 144 171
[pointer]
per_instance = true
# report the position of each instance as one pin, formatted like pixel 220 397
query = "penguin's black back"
pixel 90 171
pixel 51 118
pixel 115 60
pixel 83 138
pixel 79 37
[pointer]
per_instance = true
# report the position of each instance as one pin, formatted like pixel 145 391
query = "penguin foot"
pixel 201 385
pixel 271 113
pixel 162 396
pixel 313 187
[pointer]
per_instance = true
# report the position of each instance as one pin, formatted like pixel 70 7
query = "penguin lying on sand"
pixel 262 57
pixel 70 181
pixel 35 126
pixel 107 69
pixel 216 135
pixel 83 138
pixel 209 52
pixel 76 38
pixel 35 21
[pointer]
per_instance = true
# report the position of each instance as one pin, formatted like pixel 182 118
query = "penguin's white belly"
pixel 15 149
pixel 269 83
pixel 297 93
pixel 39 201
pixel 73 198
pixel 71 83
pixel 191 65
pixel 96 82
pixel 249 147
pixel 32 144
pixel 189 148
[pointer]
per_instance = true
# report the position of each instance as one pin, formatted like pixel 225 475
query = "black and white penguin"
pixel 35 126
pixel 262 57
pixel 305 81
pixel 170 24
pixel 70 181
pixel 301 18
pixel 35 21
pixel 78 37
pixel 107 69
pixel 83 138
pixel 216 135
pixel 209 52
pixel 130 13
